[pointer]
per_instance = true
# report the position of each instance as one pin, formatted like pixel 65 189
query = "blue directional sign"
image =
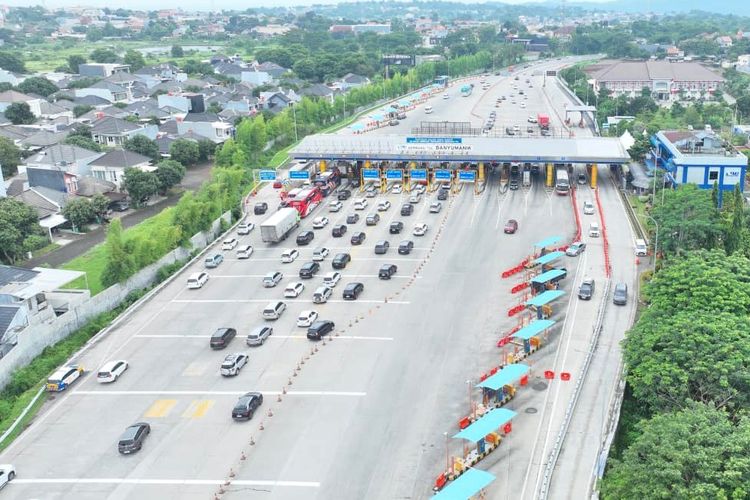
pixel 434 140
pixel 370 173
pixel 467 176
pixel 268 175
pixel 418 174
pixel 442 175
pixel 394 175
pixel 299 174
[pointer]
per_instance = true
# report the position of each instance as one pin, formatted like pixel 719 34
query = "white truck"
pixel 526 178
pixel 278 226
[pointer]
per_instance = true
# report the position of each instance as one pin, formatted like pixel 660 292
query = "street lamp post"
pixel 294 113
pixel 447 454
pixel 656 239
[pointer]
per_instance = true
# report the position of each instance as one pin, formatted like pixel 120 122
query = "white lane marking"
pixel 167 336
pixel 175 482
pixel 215 393
pixel 343 276
pixel 265 301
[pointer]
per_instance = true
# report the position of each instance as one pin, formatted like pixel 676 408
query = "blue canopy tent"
pixel 533 329
pixel 498 389
pixel 466 485
pixel 547 258
pixel 548 242
pixel 547 280
pixel 489 422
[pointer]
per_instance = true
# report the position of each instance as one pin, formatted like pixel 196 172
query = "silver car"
pixel 259 335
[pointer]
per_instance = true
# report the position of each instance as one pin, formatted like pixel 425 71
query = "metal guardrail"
pixel 632 217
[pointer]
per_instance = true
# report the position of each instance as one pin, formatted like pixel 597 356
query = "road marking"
pixel 395 276
pixel 198 408
pixel 343 337
pixel 212 393
pixel 168 482
pixel 265 301
pixel 200 369
pixel 160 408
pixel 194 369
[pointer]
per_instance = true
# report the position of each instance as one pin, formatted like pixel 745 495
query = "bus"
pixel 562 183
pixel 441 80
pixel 466 90
pixel 305 201
pixel 328 181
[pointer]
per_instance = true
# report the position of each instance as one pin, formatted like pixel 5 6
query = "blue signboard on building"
pixel 299 174
pixel 442 175
pixel 418 174
pixel 394 175
pixel 467 176
pixel 370 173
pixel 268 175
pixel 434 140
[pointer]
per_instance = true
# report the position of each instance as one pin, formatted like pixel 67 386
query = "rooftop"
pixel 31 282
pixel 640 71
pixel 703 145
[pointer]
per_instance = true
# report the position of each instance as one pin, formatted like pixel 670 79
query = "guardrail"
pixel 632 217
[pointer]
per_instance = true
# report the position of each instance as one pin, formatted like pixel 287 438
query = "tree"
pixel 10 62
pixel 185 151
pixel 140 185
pixel 693 453
pixel 103 56
pixel 79 212
pixel 134 59
pixel 10 157
pixel 177 51
pixel 37 85
pixel 206 148
pixel 82 142
pixel 19 113
pixel 169 173
pixel 119 264
pixel 99 204
pixel 18 224
pixel 141 144
pixel 225 152
pixel 687 220
pixel 74 62
pixel 81 109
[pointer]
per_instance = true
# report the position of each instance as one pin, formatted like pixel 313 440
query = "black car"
pixel 133 437
pixel 513 183
pixel 358 238
pixel 352 218
pixel 344 195
pixel 246 406
pixel 222 337
pixel 309 270
pixel 620 295
pixel 120 206
pixel 442 195
pixel 341 260
pixel 396 227
pixel 338 231
pixel 352 290
pixel 386 271
pixel 405 247
pixel 260 208
pixel 381 247
pixel 407 209
pixel 320 328
pixel 587 289
pixel 372 219
pixel 305 237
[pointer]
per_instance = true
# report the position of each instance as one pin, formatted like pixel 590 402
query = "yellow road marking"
pixel 195 369
pixel 160 408
pixel 198 408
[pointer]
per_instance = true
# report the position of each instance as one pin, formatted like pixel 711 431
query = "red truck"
pixel 543 121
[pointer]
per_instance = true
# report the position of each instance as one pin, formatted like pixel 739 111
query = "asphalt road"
pixel 365 415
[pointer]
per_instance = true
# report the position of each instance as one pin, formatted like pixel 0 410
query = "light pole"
pixel 294 113
pixel 447 455
pixel 468 390
pixel 656 239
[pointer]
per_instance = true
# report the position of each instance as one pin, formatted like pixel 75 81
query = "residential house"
pixel 743 60
pixel 41 139
pixel 208 125
pixel 275 101
pixel 10 77
pixel 13 96
pixel 318 90
pixel 92 100
pixel 106 90
pixel 102 70
pixel 185 101
pixel 51 111
pixel 13 319
pixel 230 70
pixel 256 77
pixel 164 71
pixel 351 81
pixel 59 167
pixel 724 41
pixel 272 69
pixel 109 131
pixel 111 166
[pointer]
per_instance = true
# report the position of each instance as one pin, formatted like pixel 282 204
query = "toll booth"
pixel 467 486
pixel 546 260
pixel 484 433
pixel 545 246
pixel 541 303
pixel 548 280
pixel 498 389
pixel 532 335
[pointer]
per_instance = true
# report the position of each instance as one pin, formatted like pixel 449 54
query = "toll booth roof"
pixel 548 276
pixel 548 242
pixel 545 298
pixel 506 376
pixel 466 485
pixel 490 422
pixel 546 259
pixel 534 328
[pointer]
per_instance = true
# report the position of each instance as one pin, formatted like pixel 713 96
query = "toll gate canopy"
pixel 544 298
pixel 461 149
pixel 466 485
pixel 507 375
pixel 534 328
pixel 546 259
pixel 489 422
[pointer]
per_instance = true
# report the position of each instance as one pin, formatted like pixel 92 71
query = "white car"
pixel 446 96
pixel 111 371
pixel 435 207
pixel 7 473
pixel 414 198
pixel 294 289
pixel 588 208
pixel 322 294
pixel 290 255
pixel 331 279
pixel 233 363
pixel 335 206
pixel 397 188
pixel 197 280
pixel 523 104
pixel 384 205
pixel 360 204
pixel 244 252
pixel 419 188
pixel 420 229
pixel 531 119
pixel 229 244
pixel 306 318
pixel 320 222
pixel 320 254
pixel 245 228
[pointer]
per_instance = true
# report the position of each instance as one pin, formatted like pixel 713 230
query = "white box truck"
pixel 278 226
pixel 526 178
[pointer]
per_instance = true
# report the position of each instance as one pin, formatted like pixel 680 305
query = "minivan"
pixel 641 249
pixel 320 328
pixel 382 247
pixel 273 310
pixel 352 290
pixel 133 437
pixel 620 296
pixel 222 337
pixel 197 280
pixel 594 230
pixel 386 271
pixel 338 231
pixel 309 270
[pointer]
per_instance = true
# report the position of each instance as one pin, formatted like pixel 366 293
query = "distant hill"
pixel 730 7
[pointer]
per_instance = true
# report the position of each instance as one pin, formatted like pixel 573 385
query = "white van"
pixel 594 231
pixel 273 310
pixel 428 109
pixel 197 280
pixel 641 249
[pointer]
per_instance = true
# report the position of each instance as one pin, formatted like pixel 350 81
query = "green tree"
pixel 225 152
pixel 79 212
pixel 74 62
pixel 177 51
pixel 135 59
pixel 693 453
pixel 38 85
pixel 10 62
pixel 206 148
pixel 99 204
pixel 82 109
pixel 19 113
pixel 82 142
pixel 687 220
pixel 10 157
pixel 103 56
pixel 119 264
pixel 140 185
pixel 185 151
pixel 18 223
pixel 735 237
pixel 252 136
pixel 141 144
pixel 169 173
